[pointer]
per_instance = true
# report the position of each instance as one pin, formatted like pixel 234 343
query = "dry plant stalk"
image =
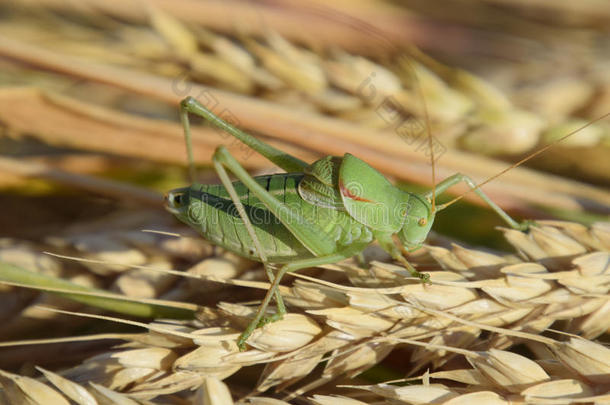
pixel 479 305
pixel 365 99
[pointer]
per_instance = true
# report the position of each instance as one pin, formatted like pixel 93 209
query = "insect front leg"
pixel 259 319
pixel 387 243
pixel 457 178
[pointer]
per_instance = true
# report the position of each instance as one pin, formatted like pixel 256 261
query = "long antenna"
pixel 525 159
pixel 354 22
pixel 357 23
pixel 430 143
pixel 420 92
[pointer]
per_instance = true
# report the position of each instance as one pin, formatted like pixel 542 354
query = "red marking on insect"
pixel 347 193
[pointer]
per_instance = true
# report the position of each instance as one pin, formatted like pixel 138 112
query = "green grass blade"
pixel 15 275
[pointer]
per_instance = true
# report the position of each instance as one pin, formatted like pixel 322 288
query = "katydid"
pixel 313 214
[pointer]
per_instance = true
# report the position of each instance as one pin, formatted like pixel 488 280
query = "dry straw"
pixel 310 93
pixel 479 305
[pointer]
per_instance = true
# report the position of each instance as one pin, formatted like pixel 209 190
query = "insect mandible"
pixel 313 214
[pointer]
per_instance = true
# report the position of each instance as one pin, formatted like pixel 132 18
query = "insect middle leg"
pixel 259 319
pixel 457 178
pixel 226 182
pixel 311 235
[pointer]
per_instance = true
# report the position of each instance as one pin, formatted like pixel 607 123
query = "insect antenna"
pixel 356 23
pixel 420 94
pixel 430 143
pixel 525 159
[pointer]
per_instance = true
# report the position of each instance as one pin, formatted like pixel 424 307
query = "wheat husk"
pixel 265 401
pixel 21 389
pixel 73 391
pixel 366 321
pixel 260 119
pixel 335 399
pixel 583 360
pixel 213 392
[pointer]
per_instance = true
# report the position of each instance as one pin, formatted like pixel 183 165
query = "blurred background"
pixel 90 136
pixel 92 90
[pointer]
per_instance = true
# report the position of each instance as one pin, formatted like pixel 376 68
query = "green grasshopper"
pixel 313 214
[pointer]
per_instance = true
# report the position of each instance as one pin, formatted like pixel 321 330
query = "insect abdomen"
pixel 221 224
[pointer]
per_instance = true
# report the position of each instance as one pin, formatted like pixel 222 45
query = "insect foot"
pixel 526 225
pixel 289 333
pixel 268 319
pixel 424 278
pixel 241 341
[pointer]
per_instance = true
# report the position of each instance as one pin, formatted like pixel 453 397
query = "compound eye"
pixel 174 200
pixel 422 222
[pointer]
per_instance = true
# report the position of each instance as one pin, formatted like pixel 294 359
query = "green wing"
pixel 319 185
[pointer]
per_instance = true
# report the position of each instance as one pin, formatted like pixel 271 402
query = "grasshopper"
pixel 313 214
